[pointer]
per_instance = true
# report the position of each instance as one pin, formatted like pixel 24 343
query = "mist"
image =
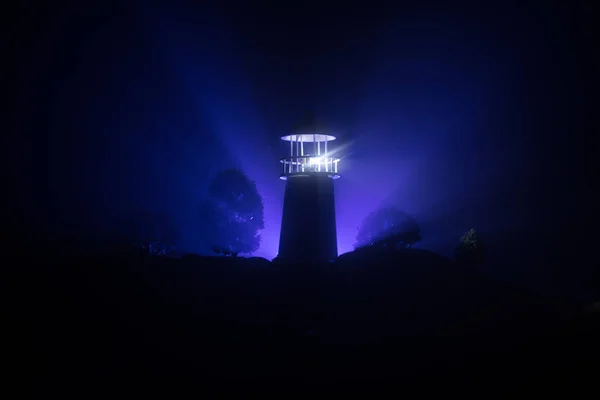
pixel 445 114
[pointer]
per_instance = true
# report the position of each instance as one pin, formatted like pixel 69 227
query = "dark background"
pixel 466 115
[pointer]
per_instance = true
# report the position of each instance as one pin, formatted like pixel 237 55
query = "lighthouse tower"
pixel 308 229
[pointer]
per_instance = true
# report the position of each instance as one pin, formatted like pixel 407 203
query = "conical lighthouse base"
pixel 308 229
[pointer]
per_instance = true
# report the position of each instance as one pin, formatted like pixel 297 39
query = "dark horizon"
pixel 466 117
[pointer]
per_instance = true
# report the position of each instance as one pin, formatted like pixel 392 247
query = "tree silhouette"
pixel 233 213
pixel 470 251
pixel 388 227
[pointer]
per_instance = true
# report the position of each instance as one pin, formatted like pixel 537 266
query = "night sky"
pixel 464 116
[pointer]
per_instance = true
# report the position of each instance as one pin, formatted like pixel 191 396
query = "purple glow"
pixel 462 120
pixel 412 139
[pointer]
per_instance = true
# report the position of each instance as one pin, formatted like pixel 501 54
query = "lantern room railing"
pixel 308 163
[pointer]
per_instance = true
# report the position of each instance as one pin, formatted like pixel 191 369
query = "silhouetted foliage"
pixel 155 232
pixel 234 214
pixel 360 318
pixel 388 227
pixel 470 250
pixel 594 308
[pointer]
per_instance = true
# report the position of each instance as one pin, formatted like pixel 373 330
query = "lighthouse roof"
pixel 308 137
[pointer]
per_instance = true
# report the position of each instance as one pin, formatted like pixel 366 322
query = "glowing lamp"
pixel 315 161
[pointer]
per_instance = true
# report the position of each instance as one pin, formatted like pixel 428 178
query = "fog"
pixel 447 115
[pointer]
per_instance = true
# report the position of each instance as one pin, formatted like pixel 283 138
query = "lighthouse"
pixel 308 226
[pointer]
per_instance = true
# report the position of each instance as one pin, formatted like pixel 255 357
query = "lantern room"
pixel 309 155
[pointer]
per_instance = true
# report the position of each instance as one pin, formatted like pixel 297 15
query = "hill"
pixel 398 320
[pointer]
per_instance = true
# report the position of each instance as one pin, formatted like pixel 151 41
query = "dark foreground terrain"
pixel 91 321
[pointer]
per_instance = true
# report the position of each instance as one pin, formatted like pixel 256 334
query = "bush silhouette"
pixel 154 232
pixel 470 251
pixel 388 227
